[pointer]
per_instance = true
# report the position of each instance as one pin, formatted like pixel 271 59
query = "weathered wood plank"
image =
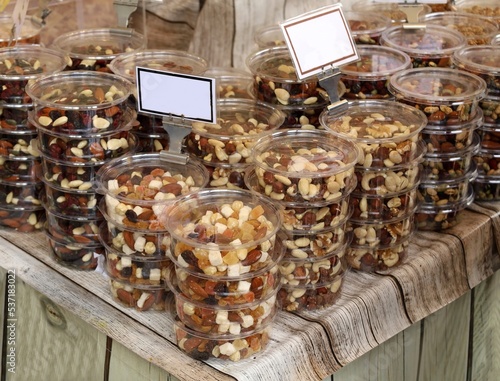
pixel 476 234
pixel 485 349
pixel 52 344
pixel 64 289
pixel 126 365
pixel 492 210
pixel 433 273
pixel 445 342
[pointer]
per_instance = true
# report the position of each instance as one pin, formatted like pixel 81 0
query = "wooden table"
pixel 440 268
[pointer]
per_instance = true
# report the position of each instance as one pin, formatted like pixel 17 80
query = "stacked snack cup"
pixel 151 135
pixel 366 27
pixel 269 36
pixel 368 77
pixel 450 100
pixel 83 120
pixel 20 205
pixel 432 45
pixel 225 147
pixel 310 175
pixel 232 82
pixel 276 82
pixel 484 62
pixel 94 49
pixel 476 29
pixel 137 188
pixel 388 174
pixel 225 250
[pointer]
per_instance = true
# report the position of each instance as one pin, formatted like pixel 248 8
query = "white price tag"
pixel 318 40
pixel 177 95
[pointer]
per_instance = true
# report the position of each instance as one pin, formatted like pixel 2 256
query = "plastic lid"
pixel 432 85
pixel 375 121
pixel 485 8
pixel 176 61
pixel 325 154
pixel 33 60
pixel 478 30
pixel 28 29
pixel 480 59
pixel 376 62
pixel 366 23
pixel 434 40
pixel 105 43
pixel 269 36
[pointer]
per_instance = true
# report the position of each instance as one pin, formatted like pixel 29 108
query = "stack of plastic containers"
pixel 83 120
pixel 225 147
pixel 368 77
pixel 431 46
pixel 310 176
pixel 225 251
pixel 484 62
pixel 151 135
pixel 137 188
pixel 20 188
pixel 276 82
pixel 385 200
pixel 450 100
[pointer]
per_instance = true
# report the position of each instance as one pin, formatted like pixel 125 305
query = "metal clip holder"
pixel 177 130
pixel 329 80
pixel 124 8
pixel 412 11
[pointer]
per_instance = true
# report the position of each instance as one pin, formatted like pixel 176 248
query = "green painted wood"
pixel 485 348
pixel 53 344
pixel 126 365
pixel 411 351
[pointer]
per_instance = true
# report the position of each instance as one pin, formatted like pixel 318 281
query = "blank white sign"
pixel 178 95
pixel 318 40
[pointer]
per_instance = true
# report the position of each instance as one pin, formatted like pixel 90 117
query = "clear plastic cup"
pixel 22 219
pixel 141 297
pixel 366 27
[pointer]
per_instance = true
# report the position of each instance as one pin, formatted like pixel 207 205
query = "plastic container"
pixel 176 61
pixel 431 217
pixel 430 46
pixel 19 145
pixel 73 229
pixel 276 81
pixel 390 10
pixel 230 176
pixel 230 291
pixel 95 149
pixel 387 132
pixel 483 62
pixel 488 162
pixel 490 137
pixel 319 243
pixel 223 232
pixel 138 187
pixel 225 319
pixel 134 242
pixel 203 346
pixel 81 256
pixel 269 36
pixel 489 9
pixel 14 118
pixel 368 77
pixel 366 27
pixel 373 207
pixel 231 82
pixel 22 219
pixel 94 49
pixel 491 109
pixel 240 123
pixel 312 296
pixel 304 166
pixel 149 142
pixel 80 102
pixel 446 96
pixel 304 117
pixel 21 65
pixel 390 180
pixel 443 192
pixel 72 202
pixel 486 188
pixel 29 34
pixel 446 166
pixel 20 193
pixel 69 175
pixel 452 138
pixel 477 30
pixel 19 168
pixel 141 297
pixel 377 258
